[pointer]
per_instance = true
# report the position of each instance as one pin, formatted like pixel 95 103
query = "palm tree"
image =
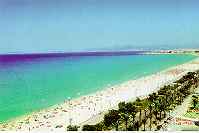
pixel 195 101
pixel 152 97
pixel 144 123
pixel 131 110
pixel 133 114
pixel 151 104
pixel 137 125
pixel 125 118
pixel 160 107
pixel 164 106
pixel 156 109
pixel 112 118
pixel 127 110
pixel 145 119
pixel 123 113
pixel 150 114
pixel 122 106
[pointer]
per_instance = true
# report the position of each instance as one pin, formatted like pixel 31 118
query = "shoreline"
pixel 79 110
pixel 99 117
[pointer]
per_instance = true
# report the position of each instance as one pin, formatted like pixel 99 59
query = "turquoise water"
pixel 33 84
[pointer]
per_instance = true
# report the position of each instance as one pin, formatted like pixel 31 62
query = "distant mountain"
pixel 145 48
pixel 132 48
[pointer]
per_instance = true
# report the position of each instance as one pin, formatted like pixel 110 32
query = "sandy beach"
pixel 77 111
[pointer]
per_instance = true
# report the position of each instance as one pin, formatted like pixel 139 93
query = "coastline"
pixel 78 110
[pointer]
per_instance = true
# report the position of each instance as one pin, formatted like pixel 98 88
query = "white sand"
pixel 79 110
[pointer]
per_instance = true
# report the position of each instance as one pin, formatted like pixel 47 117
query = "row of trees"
pixel 147 113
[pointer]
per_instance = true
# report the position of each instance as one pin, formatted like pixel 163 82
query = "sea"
pixel 31 82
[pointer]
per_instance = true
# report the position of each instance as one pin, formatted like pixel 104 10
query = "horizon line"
pixel 95 51
pixel 74 52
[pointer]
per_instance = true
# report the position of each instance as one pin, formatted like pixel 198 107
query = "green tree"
pixel 72 128
pixel 112 118
pixel 137 125
pixel 99 126
pixel 89 128
pixel 127 110
pixel 194 101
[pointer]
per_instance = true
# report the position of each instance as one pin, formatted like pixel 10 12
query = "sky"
pixel 31 26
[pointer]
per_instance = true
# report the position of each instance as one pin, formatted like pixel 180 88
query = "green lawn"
pixel 193 115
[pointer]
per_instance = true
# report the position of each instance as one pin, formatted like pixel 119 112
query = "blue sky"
pixel 29 26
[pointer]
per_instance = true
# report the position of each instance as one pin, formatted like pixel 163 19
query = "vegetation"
pixel 89 128
pixel 193 111
pixel 150 112
pixel 72 128
pixel 195 101
pixel 98 127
